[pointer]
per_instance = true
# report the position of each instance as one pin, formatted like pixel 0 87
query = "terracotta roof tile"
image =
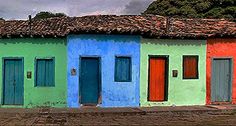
pixel 118 24
pixel 202 28
pixel 145 25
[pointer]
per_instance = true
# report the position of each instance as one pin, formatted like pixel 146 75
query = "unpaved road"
pixel 45 117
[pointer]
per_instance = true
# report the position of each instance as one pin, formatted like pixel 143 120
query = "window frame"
pixel 197 67
pixel 130 71
pixel 35 71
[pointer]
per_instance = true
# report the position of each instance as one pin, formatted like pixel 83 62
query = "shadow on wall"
pixel 102 38
pixel 34 41
pixel 213 41
pixel 171 42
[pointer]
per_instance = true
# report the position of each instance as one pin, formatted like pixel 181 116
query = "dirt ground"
pixel 128 116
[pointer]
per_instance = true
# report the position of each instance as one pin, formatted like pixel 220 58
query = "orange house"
pixel 221 71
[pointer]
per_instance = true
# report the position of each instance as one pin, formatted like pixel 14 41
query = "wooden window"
pixel 123 69
pixel 190 67
pixel 44 72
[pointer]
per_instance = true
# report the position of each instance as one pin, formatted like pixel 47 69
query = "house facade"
pixel 33 72
pixel 172 72
pixel 116 61
pixel 220 72
pixel 103 70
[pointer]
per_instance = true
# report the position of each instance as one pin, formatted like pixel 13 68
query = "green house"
pixel 33 72
pixel 162 78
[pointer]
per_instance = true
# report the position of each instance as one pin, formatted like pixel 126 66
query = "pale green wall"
pixel 29 48
pixel 180 91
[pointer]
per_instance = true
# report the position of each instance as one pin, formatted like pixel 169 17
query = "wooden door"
pixel 221 80
pixel 13 82
pixel 157 78
pixel 89 81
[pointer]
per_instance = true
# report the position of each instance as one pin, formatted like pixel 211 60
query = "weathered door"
pixel 13 91
pixel 221 80
pixel 89 81
pixel 157 78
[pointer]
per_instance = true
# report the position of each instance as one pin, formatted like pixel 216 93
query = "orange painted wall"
pixel 220 48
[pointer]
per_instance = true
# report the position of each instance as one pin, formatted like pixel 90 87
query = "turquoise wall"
pixel 29 49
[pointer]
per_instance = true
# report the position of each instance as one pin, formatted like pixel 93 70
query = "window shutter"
pixel 45 72
pixel 123 69
pixel 40 70
pixel 49 76
pixel 190 66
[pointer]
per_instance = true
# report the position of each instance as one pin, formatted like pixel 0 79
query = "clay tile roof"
pixel 145 25
pixel 1 26
pixel 15 27
pixel 202 28
pixel 111 24
pixel 52 26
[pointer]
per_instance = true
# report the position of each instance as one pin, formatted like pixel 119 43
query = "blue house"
pixel 103 70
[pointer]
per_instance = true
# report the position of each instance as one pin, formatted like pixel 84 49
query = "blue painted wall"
pixel 114 94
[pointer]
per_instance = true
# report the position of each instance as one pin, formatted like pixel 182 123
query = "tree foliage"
pixel 193 8
pixel 44 15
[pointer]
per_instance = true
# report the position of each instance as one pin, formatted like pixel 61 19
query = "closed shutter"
pixel 190 67
pixel 45 72
pixel 123 69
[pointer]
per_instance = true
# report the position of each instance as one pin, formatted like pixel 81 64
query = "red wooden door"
pixel 157 78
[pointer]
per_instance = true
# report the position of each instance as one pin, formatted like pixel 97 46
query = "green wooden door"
pixel 13 93
pixel 89 80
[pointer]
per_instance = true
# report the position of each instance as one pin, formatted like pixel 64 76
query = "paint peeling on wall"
pixel 45 104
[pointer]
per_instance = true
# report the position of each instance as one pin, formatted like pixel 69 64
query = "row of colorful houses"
pixel 117 61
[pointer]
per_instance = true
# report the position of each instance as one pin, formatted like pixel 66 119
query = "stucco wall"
pixel 29 48
pixel 180 91
pixel 114 94
pixel 220 48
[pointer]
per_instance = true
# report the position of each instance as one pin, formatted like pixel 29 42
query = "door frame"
pixel 231 78
pixel 166 76
pixel 3 76
pixel 99 81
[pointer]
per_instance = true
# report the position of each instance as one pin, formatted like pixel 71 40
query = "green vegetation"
pixel 44 15
pixel 193 8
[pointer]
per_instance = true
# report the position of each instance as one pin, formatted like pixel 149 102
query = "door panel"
pixel 157 79
pixel 13 82
pixel 19 74
pixel 220 83
pixel 89 80
pixel 8 82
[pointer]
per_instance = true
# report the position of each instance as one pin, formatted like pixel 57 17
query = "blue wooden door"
pixel 13 82
pixel 221 80
pixel 89 81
